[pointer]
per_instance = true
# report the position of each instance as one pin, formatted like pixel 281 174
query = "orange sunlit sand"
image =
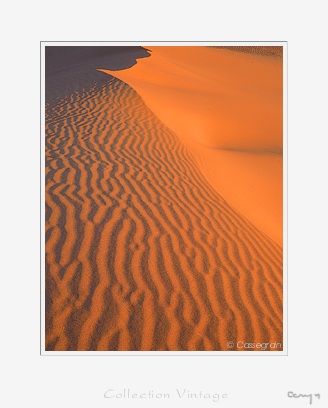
pixel 227 107
pixel 164 203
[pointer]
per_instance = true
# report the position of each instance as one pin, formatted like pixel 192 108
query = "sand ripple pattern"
pixel 141 252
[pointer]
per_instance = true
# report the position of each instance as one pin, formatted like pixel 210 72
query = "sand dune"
pixel 142 252
pixel 226 106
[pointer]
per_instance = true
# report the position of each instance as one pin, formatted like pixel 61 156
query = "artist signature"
pixel 292 394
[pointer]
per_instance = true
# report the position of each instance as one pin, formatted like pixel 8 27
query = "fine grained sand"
pixel 143 252
pixel 226 106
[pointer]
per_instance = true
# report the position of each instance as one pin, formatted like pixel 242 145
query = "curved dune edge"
pixel 227 108
pixel 141 251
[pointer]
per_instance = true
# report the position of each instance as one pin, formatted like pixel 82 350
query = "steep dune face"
pixel 142 253
pixel 226 106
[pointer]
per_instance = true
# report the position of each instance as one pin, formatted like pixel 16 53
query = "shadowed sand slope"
pixel 142 253
pixel 70 69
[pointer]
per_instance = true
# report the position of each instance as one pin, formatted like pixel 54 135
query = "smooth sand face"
pixel 227 107
pixel 142 253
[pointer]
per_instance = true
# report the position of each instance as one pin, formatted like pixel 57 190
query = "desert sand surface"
pixel 163 199
pixel 226 106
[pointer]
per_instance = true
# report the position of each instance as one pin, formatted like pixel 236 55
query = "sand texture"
pixel 163 199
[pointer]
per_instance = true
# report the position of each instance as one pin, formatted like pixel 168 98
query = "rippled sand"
pixel 142 250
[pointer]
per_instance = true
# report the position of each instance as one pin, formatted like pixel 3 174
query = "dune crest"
pixel 226 107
